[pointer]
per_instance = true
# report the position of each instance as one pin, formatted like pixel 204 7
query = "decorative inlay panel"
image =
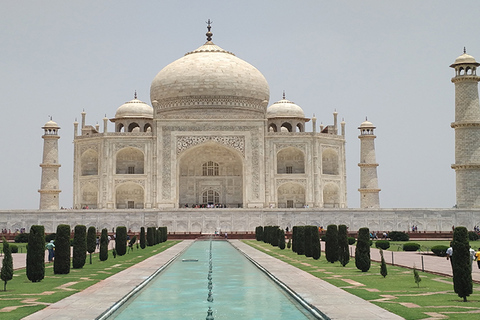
pixel 235 142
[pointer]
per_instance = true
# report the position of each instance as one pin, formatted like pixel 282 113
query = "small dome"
pixel 465 59
pixel 134 109
pixel 51 124
pixel 366 125
pixel 285 109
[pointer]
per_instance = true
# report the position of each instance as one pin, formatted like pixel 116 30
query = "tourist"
pixel 51 253
pixel 226 235
pixel 477 257
pixel 449 253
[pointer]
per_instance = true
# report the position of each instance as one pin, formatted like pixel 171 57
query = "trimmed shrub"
pixel 36 254
pixel 164 234
pixel 331 245
pixel 416 276
pixel 50 237
pixel 398 236
pixel 472 236
pixel 6 274
pixel 343 252
pixel 13 248
pixel 362 250
pixel 132 242
pixel 383 265
pixel 281 238
pixel 461 264
pixel 440 250
pixel 142 238
pixel 411 246
pixel 289 243
pixel 21 238
pixel 259 233
pixel 294 238
pixel 121 240
pixel 61 263
pixel 91 241
pixel 351 240
pixel 308 241
pixel 274 236
pixel 79 247
pixel 300 240
pixel 382 244
pixel 315 238
pixel 150 236
pixel 323 238
pixel 104 245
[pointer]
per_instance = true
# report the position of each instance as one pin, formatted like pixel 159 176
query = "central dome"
pixel 209 83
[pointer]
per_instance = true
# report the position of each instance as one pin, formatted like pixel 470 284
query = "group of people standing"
pixel 474 255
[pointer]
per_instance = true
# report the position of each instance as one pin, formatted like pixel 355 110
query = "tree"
pixel 331 245
pixel 61 264
pixel 142 237
pixel 362 251
pixel 6 274
pixel 104 245
pixel 91 241
pixel 308 241
pixel 315 238
pixel 294 238
pixel 461 263
pixel 36 254
pixel 150 236
pixel 274 236
pixel 416 276
pixel 79 246
pixel 281 238
pixel 343 252
pixel 121 240
pixel 383 265
pixel 132 242
pixel 259 233
pixel 300 246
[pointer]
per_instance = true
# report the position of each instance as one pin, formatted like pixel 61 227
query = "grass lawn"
pixel 24 297
pixel 398 292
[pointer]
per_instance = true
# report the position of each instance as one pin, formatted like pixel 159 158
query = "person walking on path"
pixel 449 254
pixel 51 253
pixel 477 257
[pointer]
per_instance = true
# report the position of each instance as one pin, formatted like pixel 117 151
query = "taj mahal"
pixel 210 138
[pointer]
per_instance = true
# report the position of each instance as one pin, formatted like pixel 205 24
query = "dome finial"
pixel 283 94
pixel 209 34
pixel 464 50
pixel 135 95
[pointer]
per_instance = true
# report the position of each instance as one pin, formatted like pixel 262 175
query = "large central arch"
pixel 210 171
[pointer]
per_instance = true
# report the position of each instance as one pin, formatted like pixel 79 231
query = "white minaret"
pixel 49 187
pixel 467 131
pixel 369 191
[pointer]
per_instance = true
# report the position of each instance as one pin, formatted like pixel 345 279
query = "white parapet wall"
pixel 228 220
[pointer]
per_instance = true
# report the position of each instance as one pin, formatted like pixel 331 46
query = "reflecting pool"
pixel 237 290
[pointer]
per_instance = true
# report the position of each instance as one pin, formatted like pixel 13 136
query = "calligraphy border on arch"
pixel 235 142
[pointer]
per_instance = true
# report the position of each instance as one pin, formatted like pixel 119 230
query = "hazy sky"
pixel 388 60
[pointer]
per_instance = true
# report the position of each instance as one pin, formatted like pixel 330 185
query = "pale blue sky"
pixel 387 60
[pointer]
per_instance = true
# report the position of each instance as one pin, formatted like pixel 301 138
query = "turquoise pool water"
pixel 239 289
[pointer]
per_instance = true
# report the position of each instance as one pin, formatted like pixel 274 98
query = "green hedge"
pixel 411 246
pixel 13 248
pixel 440 250
pixel 259 233
pixel 343 250
pixel 351 240
pixel 382 244
pixel 21 238
pixel 36 254
pixel 331 245
pixel 398 236
pixel 79 247
pixel 121 240
pixel 104 245
pixel 142 238
pixel 472 236
pixel 362 250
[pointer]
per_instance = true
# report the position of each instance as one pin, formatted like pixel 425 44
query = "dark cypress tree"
pixel 331 243
pixel 79 247
pixel 308 241
pixel 383 265
pixel 150 236
pixel 461 264
pixel 121 240
pixel 104 245
pixel 275 236
pixel 6 274
pixel 91 241
pixel 294 238
pixel 61 263
pixel 36 254
pixel 301 240
pixel 165 234
pixel 259 233
pixel 281 238
pixel 316 249
pixel 343 252
pixel 362 251
pixel 266 230
pixel 142 237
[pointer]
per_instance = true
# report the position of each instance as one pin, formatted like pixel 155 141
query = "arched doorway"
pixel 210 174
